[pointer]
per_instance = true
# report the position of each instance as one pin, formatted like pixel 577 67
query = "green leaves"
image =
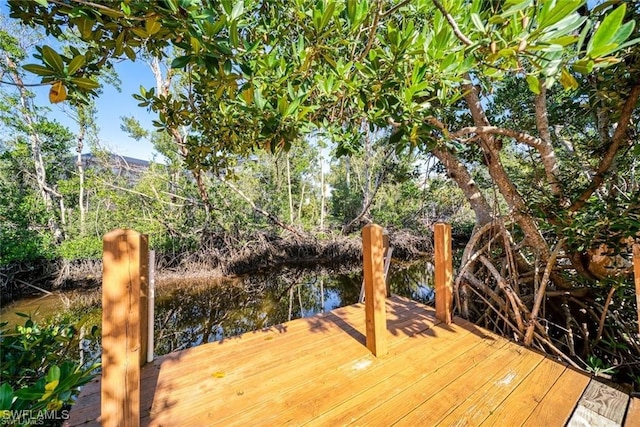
pixel 39 70
pixel 611 34
pixel 181 61
pixel 52 59
pixel 534 84
pixel 75 64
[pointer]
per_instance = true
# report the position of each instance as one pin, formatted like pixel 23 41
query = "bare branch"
pixel 522 137
pixel 619 138
pixel 528 338
pixel 546 149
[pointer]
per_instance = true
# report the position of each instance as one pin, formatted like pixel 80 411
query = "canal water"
pixel 189 312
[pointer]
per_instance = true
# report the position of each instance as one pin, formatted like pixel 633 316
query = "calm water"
pixel 190 312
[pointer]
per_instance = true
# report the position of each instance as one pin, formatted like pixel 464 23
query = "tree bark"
pixel 46 192
pixel 459 173
pixel 517 207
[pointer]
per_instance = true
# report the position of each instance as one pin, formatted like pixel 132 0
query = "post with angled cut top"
pixel 636 273
pixel 374 289
pixel 444 272
pixel 124 325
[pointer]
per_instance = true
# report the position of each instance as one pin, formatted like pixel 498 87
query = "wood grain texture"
pixel 605 401
pixel 584 417
pixel 557 405
pixel 122 282
pixel 443 272
pixel 517 407
pixel 632 418
pixel 317 371
pixel 375 289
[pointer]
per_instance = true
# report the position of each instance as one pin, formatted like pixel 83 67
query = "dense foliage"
pixel 40 376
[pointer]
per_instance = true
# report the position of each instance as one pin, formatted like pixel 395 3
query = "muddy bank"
pixel 218 255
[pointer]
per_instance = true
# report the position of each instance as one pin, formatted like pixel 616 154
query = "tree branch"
pixel 546 149
pixel 454 26
pixel 528 337
pixel 619 137
pixel 459 173
pixel 258 209
pixel 500 177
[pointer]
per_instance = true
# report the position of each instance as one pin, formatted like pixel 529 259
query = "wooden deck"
pixel 317 371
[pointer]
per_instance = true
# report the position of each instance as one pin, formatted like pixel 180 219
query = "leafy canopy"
pixel 262 73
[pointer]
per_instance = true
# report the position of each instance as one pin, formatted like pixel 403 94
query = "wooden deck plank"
pixel 517 407
pixel 318 371
pixel 632 418
pixel 386 403
pixel 557 405
pixel 236 393
pixel 485 399
pixel 601 400
pixel 334 386
pixel 263 349
pixel 464 388
pixel 585 417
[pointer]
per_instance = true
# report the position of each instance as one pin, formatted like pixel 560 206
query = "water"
pixel 190 312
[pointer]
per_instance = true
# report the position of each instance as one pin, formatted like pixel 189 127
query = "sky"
pixel 111 106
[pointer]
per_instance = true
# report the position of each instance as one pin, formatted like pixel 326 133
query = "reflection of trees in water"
pixel 413 281
pixel 189 313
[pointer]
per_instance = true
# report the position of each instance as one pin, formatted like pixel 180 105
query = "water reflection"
pixel 189 313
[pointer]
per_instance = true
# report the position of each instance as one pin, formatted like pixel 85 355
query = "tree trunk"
pixel 322 199
pixel 46 192
pixel 289 189
pixel 80 166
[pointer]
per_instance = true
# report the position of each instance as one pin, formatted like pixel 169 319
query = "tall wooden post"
pixel 636 273
pixel 444 272
pixel 124 325
pixel 374 289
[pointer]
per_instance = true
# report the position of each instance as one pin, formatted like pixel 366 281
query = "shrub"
pixel 40 377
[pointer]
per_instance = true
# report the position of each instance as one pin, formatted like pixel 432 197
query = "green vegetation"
pixel 305 117
pixel 40 374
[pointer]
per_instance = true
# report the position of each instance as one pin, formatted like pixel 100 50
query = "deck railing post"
pixel 636 273
pixel 443 272
pixel 124 325
pixel 386 247
pixel 374 289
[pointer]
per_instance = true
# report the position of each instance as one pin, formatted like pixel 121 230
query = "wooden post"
pixel 386 247
pixel 124 325
pixel 444 272
pixel 636 273
pixel 374 289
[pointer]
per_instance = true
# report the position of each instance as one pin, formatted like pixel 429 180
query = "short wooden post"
pixel 636 273
pixel 374 289
pixel 124 325
pixel 444 272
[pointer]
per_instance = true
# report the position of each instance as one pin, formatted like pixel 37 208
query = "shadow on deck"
pixel 317 370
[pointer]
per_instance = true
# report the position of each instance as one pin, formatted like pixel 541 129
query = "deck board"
pixel 600 402
pixel 557 405
pixel 633 413
pixel 317 371
pixel 517 407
